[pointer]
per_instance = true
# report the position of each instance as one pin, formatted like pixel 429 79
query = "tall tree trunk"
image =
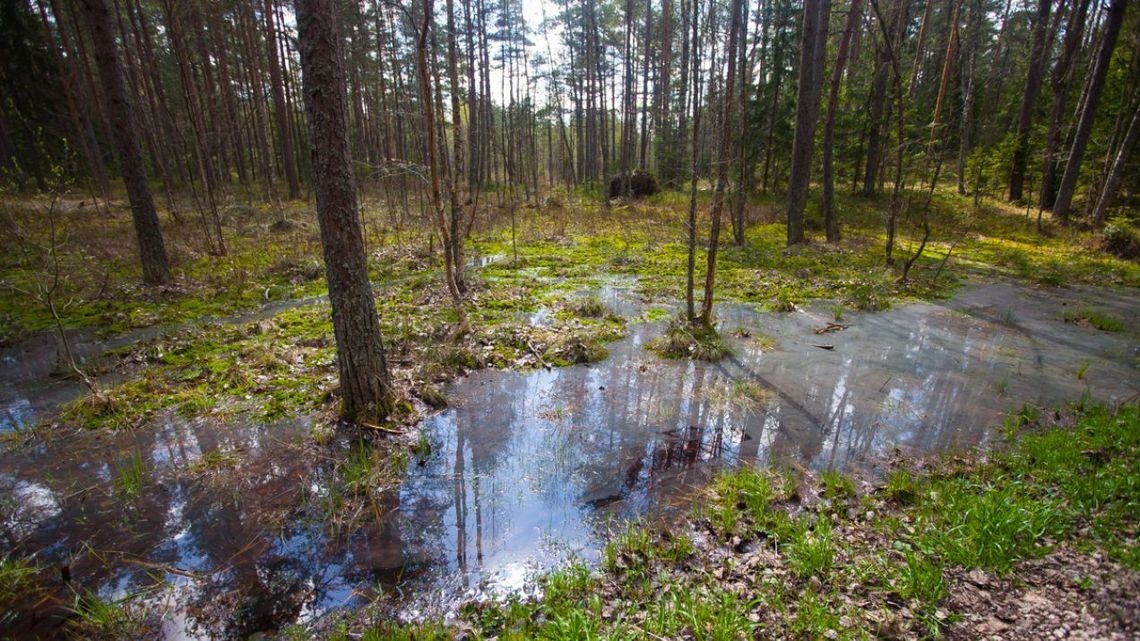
pixel 80 127
pixel 257 99
pixel 152 249
pixel 472 104
pixel 694 152
pixel 722 161
pixel 877 100
pixel 1113 20
pixel 1061 82
pixel 232 124
pixel 1112 182
pixel 969 92
pixel 280 108
pixel 812 46
pixel 365 385
pixel 1029 100
pixel 919 50
pixel 647 51
pixel 743 134
pixel 431 144
pixel 854 15
pixel 457 147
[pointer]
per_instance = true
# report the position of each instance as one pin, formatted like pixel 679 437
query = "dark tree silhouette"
pixel 152 249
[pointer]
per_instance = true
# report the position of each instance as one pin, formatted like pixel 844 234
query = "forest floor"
pixel 1035 541
pixel 246 337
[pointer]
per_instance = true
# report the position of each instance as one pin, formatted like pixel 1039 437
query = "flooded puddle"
pixel 530 468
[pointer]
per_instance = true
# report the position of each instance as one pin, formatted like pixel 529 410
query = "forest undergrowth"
pixel 248 332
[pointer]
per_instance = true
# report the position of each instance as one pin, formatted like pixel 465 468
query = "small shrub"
pixel 577 348
pixel 868 297
pixel 836 486
pixel 1121 240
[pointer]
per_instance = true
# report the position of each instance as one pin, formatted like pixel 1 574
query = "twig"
pixel 382 428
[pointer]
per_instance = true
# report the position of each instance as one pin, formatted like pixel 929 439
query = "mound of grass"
pixel 576 348
pixel 589 307
pixel 684 339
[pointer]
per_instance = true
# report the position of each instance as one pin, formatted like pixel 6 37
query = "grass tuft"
pixel 697 341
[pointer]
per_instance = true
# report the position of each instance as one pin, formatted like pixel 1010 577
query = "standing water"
pixel 230 535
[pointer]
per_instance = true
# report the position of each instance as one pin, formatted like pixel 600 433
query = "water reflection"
pixel 529 468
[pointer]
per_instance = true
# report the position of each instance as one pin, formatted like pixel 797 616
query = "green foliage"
pixel 129 478
pixel 989 525
pixel 359 469
pixel 836 486
pixel 920 578
pixel 902 485
pixel 589 307
pixel 1095 317
pixel 1122 240
pixel 748 490
pixel 98 618
pixel 17 580
pixel 811 553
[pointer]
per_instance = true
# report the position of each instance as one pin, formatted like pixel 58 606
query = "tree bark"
pixel 280 108
pixel 365 385
pixel 1113 20
pixel 691 229
pixel 1061 82
pixel 969 93
pixel 1112 182
pixel 1029 100
pixel 854 14
pixel 812 47
pixel 433 164
pixel 457 147
pixel 722 162
pixel 152 249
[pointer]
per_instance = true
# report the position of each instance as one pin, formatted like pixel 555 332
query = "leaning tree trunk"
pixel 854 15
pixel 366 387
pixel 152 249
pixel 1114 175
pixel 1061 80
pixel 807 113
pixel 1113 20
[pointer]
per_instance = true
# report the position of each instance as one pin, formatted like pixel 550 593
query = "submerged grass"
pixel 17 582
pixel 1097 318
